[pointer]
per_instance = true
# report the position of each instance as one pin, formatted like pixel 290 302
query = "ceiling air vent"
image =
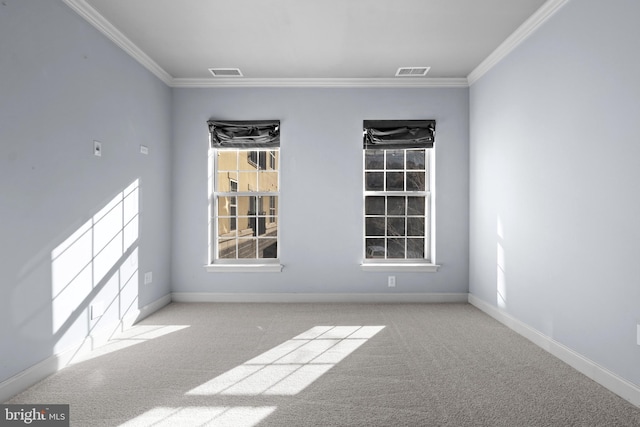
pixel 412 71
pixel 226 72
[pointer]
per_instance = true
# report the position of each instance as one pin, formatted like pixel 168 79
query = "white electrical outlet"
pixel 638 333
pixel 144 149
pixel 148 277
pixel 391 281
pixel 97 148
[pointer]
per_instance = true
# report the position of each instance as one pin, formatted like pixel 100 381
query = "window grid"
pixel 397 201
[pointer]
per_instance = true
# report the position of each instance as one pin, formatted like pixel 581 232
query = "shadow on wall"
pixel 94 275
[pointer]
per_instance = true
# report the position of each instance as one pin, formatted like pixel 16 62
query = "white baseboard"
pixel 32 375
pixel 592 370
pixel 319 298
pixel 151 308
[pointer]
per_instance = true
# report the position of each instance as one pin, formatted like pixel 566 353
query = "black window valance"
pixel 399 133
pixel 244 133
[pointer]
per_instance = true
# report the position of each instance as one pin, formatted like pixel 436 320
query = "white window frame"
pixel 216 264
pixel 426 264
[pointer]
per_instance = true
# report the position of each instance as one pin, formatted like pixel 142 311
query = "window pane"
pixel 266 228
pixel 252 224
pixel 375 248
pixel 395 248
pixel 250 161
pixel 225 227
pixel 247 248
pixel 273 208
pixel 273 159
pixel 272 223
pixel 267 181
pixel 415 248
pixel 227 181
pixel 244 223
pixel 395 205
pixel 262 162
pixel 415 226
pixel 415 181
pixel 227 160
pixel 415 159
pixel 374 226
pixel 374 159
pixel 395 159
pixel 395 226
pixel 268 248
pixel 416 206
pixel 227 248
pixel 246 205
pixel 395 181
pixel 226 205
pixel 374 205
pixel 374 181
pixel 247 181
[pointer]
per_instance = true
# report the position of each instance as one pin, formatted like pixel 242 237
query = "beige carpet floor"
pixel 326 365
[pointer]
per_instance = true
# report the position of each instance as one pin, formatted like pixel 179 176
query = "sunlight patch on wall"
pixel 94 271
pixel 238 416
pixel 292 366
pixel 501 281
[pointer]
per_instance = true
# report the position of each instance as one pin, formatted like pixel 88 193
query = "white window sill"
pixel 244 268
pixel 410 267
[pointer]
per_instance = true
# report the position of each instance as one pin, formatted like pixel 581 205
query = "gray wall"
pixel 554 160
pixel 63 85
pixel 321 186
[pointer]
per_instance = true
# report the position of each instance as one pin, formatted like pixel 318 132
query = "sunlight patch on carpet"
pixel 239 416
pixel 292 366
pixel 136 335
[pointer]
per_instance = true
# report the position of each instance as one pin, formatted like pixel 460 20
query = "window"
pixel 244 230
pixel 244 192
pixel 397 199
pixel 396 203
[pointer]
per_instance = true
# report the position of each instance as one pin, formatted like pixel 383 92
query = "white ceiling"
pixel 350 40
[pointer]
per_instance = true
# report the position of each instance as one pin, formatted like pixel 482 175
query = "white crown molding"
pixel 599 374
pixel 527 28
pixel 394 82
pixel 92 16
